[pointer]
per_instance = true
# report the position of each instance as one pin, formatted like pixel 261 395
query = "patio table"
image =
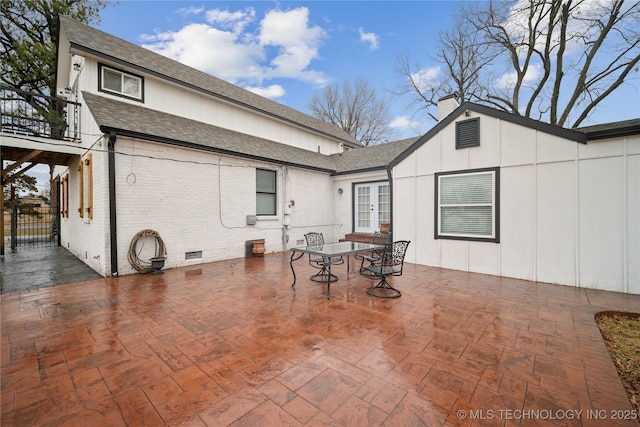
pixel 328 251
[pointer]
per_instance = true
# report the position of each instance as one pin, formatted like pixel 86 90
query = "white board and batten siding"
pixel 569 212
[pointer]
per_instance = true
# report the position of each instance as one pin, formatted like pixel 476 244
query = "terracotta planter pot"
pixel 258 247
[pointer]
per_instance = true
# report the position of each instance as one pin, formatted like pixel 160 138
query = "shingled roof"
pixel 139 122
pixel 83 38
pixel 375 157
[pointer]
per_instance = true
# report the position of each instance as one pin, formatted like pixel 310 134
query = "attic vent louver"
pixel 468 133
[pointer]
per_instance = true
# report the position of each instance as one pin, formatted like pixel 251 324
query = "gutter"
pixel 112 204
pixel 390 178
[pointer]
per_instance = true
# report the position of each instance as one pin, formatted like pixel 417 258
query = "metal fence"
pixel 31 224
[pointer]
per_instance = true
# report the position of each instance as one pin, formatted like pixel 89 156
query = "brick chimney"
pixel 446 105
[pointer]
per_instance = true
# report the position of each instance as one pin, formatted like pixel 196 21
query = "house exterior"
pixel 490 192
pixel 212 167
pixel 206 164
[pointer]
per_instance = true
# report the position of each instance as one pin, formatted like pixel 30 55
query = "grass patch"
pixel 621 333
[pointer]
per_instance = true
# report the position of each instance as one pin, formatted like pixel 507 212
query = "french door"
pixel 372 205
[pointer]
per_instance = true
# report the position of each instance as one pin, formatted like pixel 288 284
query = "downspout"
pixel 390 178
pixel 112 204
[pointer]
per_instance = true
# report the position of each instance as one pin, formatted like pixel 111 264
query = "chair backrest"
pixel 314 239
pixel 394 255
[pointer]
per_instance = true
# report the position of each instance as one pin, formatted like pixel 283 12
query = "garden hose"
pixel 134 259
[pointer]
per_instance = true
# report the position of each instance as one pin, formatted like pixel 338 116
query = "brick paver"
pixel 231 343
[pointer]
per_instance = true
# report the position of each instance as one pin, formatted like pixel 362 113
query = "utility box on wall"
pixel 251 219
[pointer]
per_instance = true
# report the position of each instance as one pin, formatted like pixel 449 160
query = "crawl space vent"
pixel 193 255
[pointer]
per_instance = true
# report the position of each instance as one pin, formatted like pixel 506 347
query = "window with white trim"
pixel 468 205
pixel 266 195
pixel 120 83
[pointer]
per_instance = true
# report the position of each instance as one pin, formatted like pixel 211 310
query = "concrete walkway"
pixel 32 268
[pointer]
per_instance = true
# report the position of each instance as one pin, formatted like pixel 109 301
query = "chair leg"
pixel 321 276
pixel 383 290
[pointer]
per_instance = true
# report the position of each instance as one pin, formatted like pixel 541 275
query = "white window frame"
pixel 494 236
pixel 123 74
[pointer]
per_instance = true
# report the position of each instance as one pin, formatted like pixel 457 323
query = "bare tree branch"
pixel 355 108
pixel 552 60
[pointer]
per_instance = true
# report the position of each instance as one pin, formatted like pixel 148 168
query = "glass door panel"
pixel 372 205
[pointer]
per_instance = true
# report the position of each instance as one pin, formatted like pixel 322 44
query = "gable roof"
pixel 83 38
pixel 136 121
pixel 570 134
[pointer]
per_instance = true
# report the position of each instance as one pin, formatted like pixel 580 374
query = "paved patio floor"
pixel 231 343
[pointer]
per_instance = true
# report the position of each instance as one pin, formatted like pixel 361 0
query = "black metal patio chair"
pixel 379 238
pixel 391 264
pixel 317 239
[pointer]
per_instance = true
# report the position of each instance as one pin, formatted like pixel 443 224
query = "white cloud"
pixel 233 46
pixel 236 21
pixel 296 42
pixel 210 50
pixel 192 10
pixel 271 92
pixel 426 78
pixel 403 122
pixel 369 38
pixel 508 80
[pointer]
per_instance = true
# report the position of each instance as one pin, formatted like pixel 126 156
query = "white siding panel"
pixel 408 167
pixel 517 222
pixel 193 107
pixel 633 144
pixel 225 116
pixel 172 100
pixel 405 196
pixel 426 246
pixel 556 213
pixel 484 258
pixel 633 223
pixel 488 153
pixel 455 254
pixel 517 144
pixel 601 223
pixel 600 148
pixel 550 148
pixel 209 111
pixel 429 156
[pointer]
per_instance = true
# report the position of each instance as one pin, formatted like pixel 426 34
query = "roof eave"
pixel 613 133
pixel 185 144
pixel 363 170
